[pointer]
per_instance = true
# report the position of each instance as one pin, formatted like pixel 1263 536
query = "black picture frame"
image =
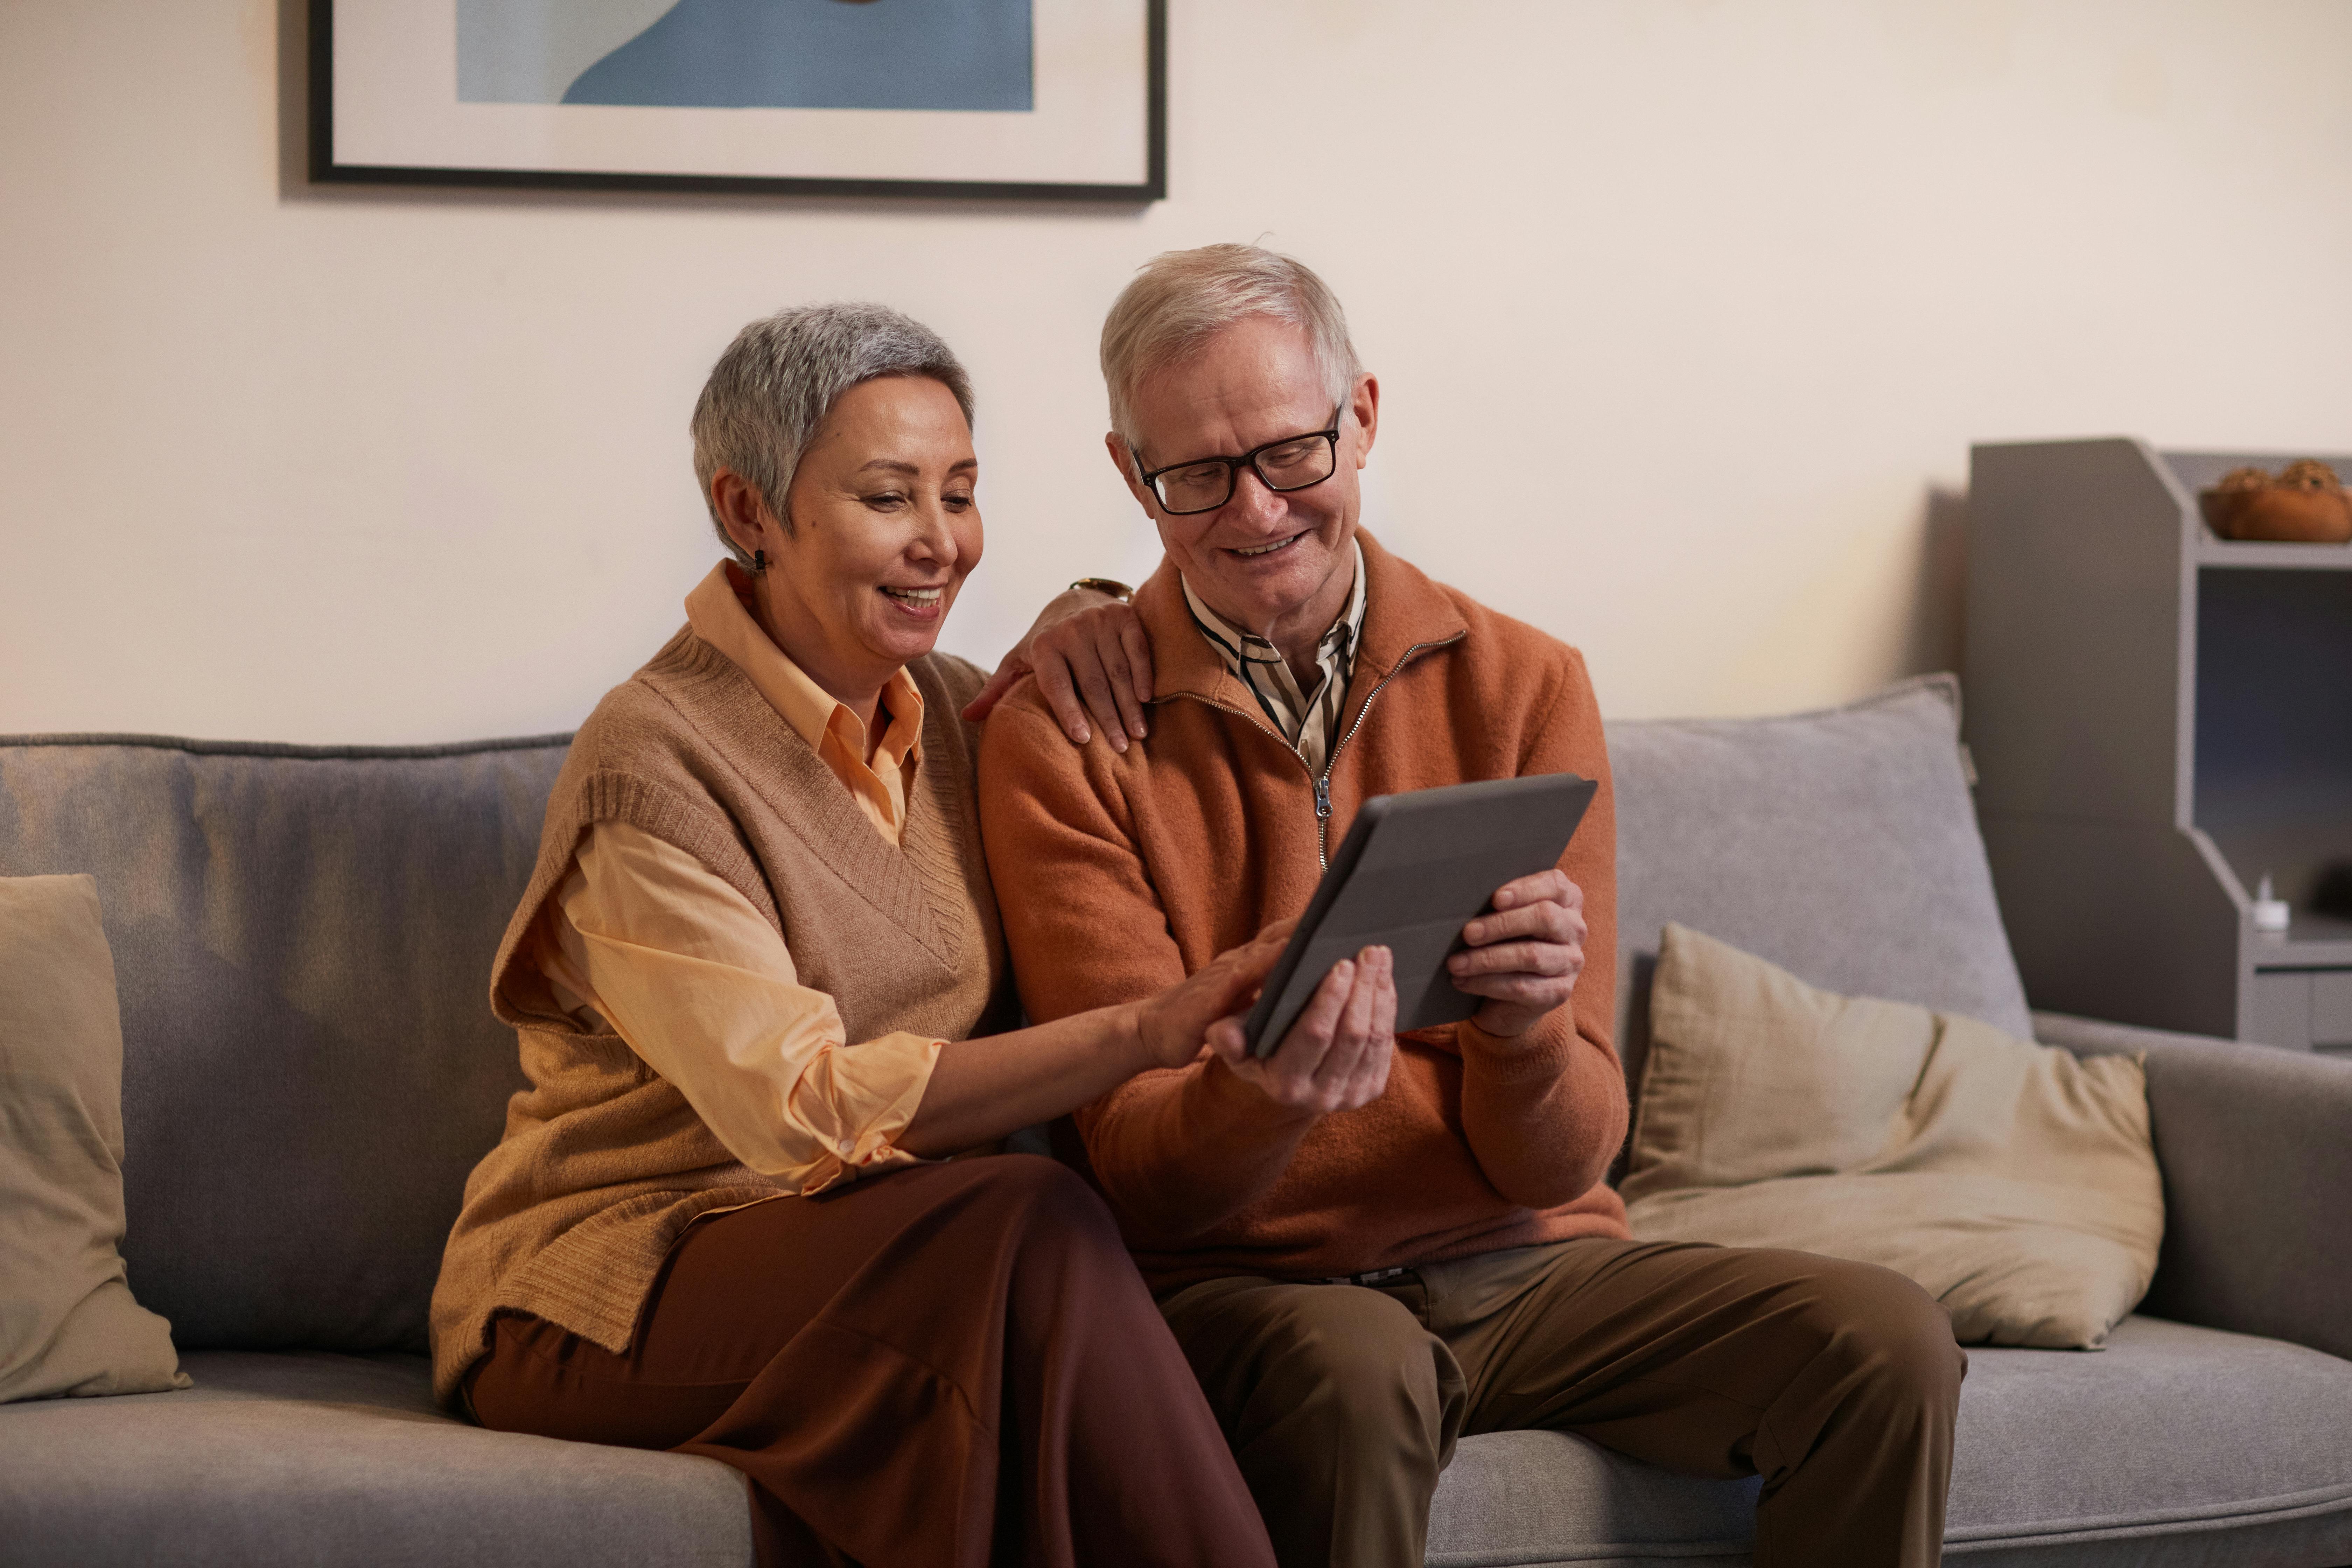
pixel 325 169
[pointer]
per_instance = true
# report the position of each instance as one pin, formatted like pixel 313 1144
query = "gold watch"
pixel 1116 589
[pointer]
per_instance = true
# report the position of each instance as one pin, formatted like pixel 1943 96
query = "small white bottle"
pixel 2272 915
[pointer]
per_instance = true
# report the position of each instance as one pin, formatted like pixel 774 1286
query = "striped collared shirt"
pixel 1309 721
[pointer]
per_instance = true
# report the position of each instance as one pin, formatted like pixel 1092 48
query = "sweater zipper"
pixel 1323 784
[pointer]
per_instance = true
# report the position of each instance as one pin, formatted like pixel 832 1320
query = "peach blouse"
pixel 643 936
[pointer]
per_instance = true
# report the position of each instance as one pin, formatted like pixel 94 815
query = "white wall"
pixel 1732 285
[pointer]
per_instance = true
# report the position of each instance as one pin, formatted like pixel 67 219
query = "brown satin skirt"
pixel 946 1366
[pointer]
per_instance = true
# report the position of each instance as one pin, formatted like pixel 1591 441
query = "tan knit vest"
pixel 604 1163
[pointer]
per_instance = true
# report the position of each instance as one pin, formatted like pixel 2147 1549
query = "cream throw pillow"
pixel 67 1324
pixel 2016 1183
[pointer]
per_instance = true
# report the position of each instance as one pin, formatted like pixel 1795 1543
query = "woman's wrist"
pixel 1131 1037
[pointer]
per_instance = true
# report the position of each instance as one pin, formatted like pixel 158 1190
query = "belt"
pixel 1371 1278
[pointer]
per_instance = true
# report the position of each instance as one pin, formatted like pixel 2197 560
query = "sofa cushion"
pixel 1840 845
pixel 307 1457
pixel 68 1323
pixel 1550 1497
pixel 2014 1182
pixel 302 939
pixel 2176 1447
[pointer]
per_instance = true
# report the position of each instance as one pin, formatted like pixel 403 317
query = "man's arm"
pixel 1544 1110
pixel 1178 1151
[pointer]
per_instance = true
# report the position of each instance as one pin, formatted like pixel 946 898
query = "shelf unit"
pixel 2159 718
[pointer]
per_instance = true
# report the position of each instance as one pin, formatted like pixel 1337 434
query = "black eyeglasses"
pixel 1204 484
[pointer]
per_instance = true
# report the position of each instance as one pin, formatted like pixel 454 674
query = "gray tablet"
pixel 1412 871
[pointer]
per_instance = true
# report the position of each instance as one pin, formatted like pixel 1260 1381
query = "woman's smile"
pixel 922 604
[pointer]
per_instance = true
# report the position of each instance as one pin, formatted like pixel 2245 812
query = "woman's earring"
pixel 759 561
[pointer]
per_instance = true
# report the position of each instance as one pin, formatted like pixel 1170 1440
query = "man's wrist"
pixel 1534 1054
pixel 1252 1103
pixel 1505 1021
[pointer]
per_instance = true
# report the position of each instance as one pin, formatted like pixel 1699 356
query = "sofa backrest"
pixel 302 939
pixel 1841 845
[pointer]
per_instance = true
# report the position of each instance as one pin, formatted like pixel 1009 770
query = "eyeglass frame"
pixel 1233 466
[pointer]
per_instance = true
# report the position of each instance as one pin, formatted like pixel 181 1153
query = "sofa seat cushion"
pixel 2147 1451
pixel 1542 1498
pixel 310 1457
pixel 2174 1447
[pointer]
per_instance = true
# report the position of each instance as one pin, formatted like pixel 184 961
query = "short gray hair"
pixel 771 390
pixel 1179 300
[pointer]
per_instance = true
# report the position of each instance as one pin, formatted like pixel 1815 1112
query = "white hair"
pixel 771 390
pixel 1179 300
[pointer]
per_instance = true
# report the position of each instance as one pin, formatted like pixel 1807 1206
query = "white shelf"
pixel 2244 552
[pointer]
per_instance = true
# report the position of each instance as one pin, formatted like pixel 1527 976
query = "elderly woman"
pixel 757 978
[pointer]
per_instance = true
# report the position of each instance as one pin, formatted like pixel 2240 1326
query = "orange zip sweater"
pixel 1118 875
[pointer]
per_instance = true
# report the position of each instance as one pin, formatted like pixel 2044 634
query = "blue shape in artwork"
pixel 822 54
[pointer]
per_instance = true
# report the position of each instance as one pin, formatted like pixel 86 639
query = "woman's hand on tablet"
pixel 1337 1057
pixel 1171 1026
pixel 1525 956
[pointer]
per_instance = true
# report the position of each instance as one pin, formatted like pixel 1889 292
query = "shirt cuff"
pixel 856 1109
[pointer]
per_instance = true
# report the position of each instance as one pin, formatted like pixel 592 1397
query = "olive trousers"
pixel 1836 1382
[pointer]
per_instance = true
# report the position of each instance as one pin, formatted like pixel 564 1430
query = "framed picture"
pixel 1002 99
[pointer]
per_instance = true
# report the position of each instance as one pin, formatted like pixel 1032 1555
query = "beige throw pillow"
pixel 2014 1182
pixel 68 1323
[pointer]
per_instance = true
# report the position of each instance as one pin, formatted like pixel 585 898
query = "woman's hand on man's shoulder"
pixel 1092 659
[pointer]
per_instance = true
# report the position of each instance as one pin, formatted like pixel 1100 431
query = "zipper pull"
pixel 1323 798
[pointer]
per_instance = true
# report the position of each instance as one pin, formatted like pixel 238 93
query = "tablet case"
pixel 1412 871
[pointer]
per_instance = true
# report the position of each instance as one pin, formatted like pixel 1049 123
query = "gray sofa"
pixel 302 937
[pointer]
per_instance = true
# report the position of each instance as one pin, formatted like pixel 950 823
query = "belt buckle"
pixel 1370 1277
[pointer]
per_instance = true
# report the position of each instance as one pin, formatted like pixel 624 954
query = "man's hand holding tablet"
pixel 1525 957
pixel 1335 1058
pixel 1462 885
pixel 1503 960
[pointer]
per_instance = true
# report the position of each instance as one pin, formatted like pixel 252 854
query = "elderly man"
pixel 1368 1245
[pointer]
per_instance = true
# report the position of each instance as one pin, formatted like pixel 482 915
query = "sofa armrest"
pixel 2255 1145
